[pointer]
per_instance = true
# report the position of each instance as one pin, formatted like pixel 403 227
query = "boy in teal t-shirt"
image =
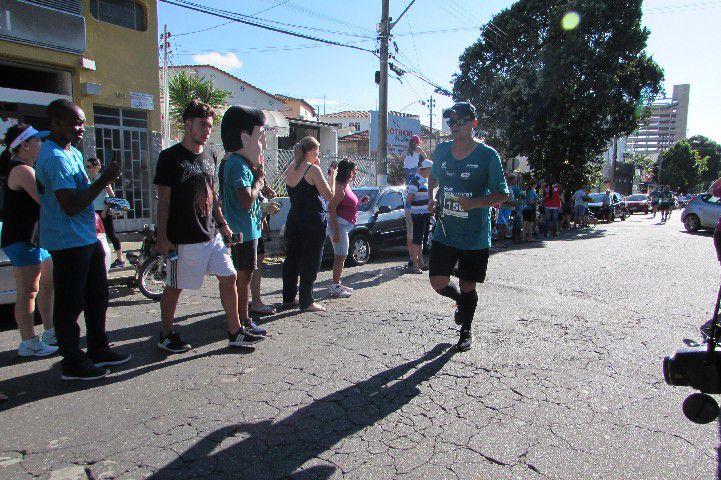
pixel 241 131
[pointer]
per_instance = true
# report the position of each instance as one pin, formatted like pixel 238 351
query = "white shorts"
pixel 196 260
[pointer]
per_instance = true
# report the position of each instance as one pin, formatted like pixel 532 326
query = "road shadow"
pixel 269 449
pixel 47 384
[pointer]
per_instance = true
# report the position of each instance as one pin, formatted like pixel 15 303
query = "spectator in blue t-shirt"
pixel 529 211
pixel 67 231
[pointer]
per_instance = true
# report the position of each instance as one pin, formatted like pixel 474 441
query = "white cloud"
pixel 319 101
pixel 228 61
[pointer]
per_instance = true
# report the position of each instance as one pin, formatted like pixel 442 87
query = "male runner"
pixel 192 229
pixel 468 177
pixel 665 199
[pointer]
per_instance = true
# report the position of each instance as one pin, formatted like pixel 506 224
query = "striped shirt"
pixel 419 188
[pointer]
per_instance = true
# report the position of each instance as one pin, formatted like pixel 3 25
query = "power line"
pixel 228 23
pixel 234 17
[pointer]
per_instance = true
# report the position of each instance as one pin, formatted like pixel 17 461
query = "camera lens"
pixel 667 370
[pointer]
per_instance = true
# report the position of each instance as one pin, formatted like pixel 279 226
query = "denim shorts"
pixel 24 254
pixel 341 248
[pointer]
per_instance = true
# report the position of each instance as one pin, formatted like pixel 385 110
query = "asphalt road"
pixel 564 380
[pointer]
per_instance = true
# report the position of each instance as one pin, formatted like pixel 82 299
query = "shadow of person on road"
pixel 278 449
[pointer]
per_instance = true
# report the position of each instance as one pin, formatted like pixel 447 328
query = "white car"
pixel 7 280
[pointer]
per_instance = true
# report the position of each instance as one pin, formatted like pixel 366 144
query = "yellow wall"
pixel 126 61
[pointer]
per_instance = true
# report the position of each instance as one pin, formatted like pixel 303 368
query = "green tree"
pixel 681 167
pixel 183 88
pixel 708 148
pixel 558 92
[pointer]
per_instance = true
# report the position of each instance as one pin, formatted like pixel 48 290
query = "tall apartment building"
pixel 101 55
pixel 666 125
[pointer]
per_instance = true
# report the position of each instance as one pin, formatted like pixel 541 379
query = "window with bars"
pixel 124 13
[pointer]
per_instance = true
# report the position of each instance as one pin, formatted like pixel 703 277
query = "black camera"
pixel 694 367
pixel 698 366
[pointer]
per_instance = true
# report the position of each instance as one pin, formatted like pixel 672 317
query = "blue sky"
pixel 684 40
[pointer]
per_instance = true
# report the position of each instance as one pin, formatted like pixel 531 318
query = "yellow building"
pixel 103 56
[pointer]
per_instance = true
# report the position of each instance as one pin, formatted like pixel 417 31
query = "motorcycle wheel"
pixel 151 278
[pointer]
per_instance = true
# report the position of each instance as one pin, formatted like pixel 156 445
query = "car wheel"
pixel 692 223
pixel 359 251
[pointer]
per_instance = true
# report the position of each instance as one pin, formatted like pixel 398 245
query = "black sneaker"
pixel 108 358
pixel 172 343
pixel 83 371
pixel 242 338
pixel 465 341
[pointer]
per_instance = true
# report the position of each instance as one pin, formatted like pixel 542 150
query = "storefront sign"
pixel 142 101
pixel 400 130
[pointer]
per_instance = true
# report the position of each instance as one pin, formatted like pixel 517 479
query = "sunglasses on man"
pixel 452 122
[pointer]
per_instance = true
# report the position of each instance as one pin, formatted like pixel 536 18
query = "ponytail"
pixel 7 154
pixel 304 145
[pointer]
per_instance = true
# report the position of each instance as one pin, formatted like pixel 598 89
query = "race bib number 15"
pixel 452 207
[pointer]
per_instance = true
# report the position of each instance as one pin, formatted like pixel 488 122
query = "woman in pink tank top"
pixel 343 213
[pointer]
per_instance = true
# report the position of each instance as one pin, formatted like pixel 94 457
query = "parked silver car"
pixel 702 211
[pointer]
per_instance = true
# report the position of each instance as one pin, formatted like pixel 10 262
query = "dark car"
pixel 638 202
pixel 381 223
pixel 618 206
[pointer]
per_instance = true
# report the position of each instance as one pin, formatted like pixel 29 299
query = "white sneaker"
pixel 347 289
pixel 336 291
pixel 49 337
pixel 35 348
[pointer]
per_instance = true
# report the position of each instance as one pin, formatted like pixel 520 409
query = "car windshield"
pixel 636 198
pixel 597 197
pixel 370 193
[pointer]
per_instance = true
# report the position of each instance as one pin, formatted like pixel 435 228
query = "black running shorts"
pixel 472 264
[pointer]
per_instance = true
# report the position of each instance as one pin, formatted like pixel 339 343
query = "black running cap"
pixel 462 109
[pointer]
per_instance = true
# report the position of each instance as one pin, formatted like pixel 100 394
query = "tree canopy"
pixel 680 167
pixel 712 150
pixel 557 91
pixel 183 88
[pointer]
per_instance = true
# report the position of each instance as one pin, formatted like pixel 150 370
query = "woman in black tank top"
pixel 305 228
pixel 32 267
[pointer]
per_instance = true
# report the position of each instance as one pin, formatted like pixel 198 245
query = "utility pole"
pixel 384 37
pixel 614 159
pixel 431 104
pixel 166 93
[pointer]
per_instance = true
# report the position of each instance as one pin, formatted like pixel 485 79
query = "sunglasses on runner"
pixel 452 122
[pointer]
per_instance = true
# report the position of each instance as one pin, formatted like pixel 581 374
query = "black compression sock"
pixel 468 303
pixel 452 292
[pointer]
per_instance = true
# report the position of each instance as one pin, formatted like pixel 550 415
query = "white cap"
pixel 426 164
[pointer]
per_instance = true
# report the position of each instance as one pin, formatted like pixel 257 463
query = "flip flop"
pixel 264 310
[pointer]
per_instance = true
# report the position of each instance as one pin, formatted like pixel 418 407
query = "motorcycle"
pixel 149 267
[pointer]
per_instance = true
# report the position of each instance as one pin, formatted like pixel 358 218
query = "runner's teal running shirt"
pixel 477 175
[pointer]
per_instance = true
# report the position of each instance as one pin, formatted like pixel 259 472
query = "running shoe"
pixel 253 329
pixel 35 348
pixel 108 358
pixel 172 343
pixel 83 371
pixel 241 338
pixel 465 342
pixel 347 289
pixel 49 337
pixel 336 291
pixel 117 264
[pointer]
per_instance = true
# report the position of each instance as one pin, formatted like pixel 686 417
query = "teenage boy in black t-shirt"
pixel 191 228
